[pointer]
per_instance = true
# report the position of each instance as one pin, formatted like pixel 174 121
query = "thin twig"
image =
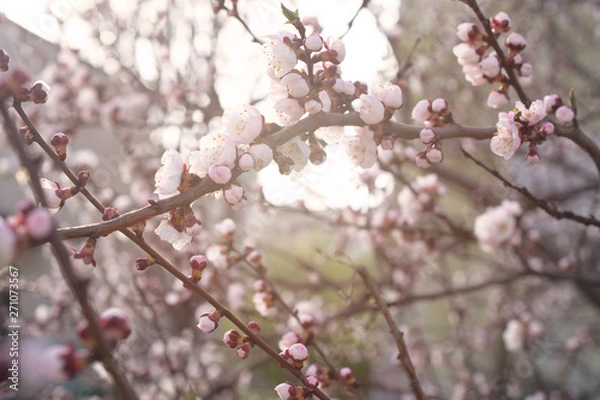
pixel 398 335
pixel 549 208
pixel 78 287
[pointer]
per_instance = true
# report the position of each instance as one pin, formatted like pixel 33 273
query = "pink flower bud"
pixel 39 224
pixel 243 350
pixel 552 102
pixel 547 128
pixel 254 327
pixel 490 66
pixel 232 338
pixel 313 106
pixel 387 143
pixel 526 70
pixel 208 322
pixel 439 105
pixel 246 162
pixel 422 161
pixel 532 157
pixel 427 136
pixel 565 115
pixel 220 174
pixel 467 31
pixel 288 339
pixel 371 109
pixel 421 111
pixel 233 194
pixel 311 382
pixel 115 324
pixel 389 94
pixel 298 352
pixel 39 92
pixel 110 213
pixel 314 42
pixel 59 141
pixel 144 262
pixel 285 391
pixel 61 362
pixel 346 373
pixel 501 22
pixel 198 262
pixel 82 177
pixel 497 99
pixel 53 194
pixel 87 252
pixel 515 42
pixel 339 48
pixel 434 155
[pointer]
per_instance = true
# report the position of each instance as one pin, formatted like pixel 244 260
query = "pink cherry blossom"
pixel 389 94
pixel 168 177
pixel 507 140
pixel 242 124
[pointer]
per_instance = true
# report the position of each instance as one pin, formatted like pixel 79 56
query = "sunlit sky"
pixel 333 184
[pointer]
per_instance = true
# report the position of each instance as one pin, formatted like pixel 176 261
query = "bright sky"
pixel 333 184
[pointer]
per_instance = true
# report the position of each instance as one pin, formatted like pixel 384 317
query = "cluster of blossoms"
pixel 317 85
pixel 28 226
pixel 525 124
pixel 498 226
pixel 479 66
pixel 434 113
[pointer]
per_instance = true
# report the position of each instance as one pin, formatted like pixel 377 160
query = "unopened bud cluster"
pixel 480 64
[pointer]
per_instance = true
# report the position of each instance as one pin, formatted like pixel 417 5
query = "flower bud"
pixel 233 194
pixel 422 161
pixel 254 327
pixel 427 136
pixel 311 382
pixel 26 135
pixel 515 42
pixel 285 391
pixel 138 228
pixel 371 109
pixel 233 338
pixel 39 224
pixel 500 23
pixel 246 162
pixel 39 92
pixel 220 174
pixel 59 141
pixel 434 155
pixel 144 262
pixel 82 178
pixel 243 350
pixel 262 154
pixel 110 213
pixel 298 352
pixel 314 42
pixel 208 322
pixel 565 115
pixel 497 99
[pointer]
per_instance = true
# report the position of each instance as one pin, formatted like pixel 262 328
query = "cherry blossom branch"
pixel 577 136
pixel 364 4
pixel 309 124
pixel 165 264
pixel 78 287
pixel 491 38
pixel 398 335
pixel 549 208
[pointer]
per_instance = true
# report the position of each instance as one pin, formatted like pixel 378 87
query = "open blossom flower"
pixel 389 94
pixel 371 109
pixel 497 225
pixel 507 140
pixel 298 151
pixel 361 149
pixel 168 177
pixel 288 111
pixel 215 148
pixel 280 57
pixel 534 114
pixel 514 335
pixel 242 124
